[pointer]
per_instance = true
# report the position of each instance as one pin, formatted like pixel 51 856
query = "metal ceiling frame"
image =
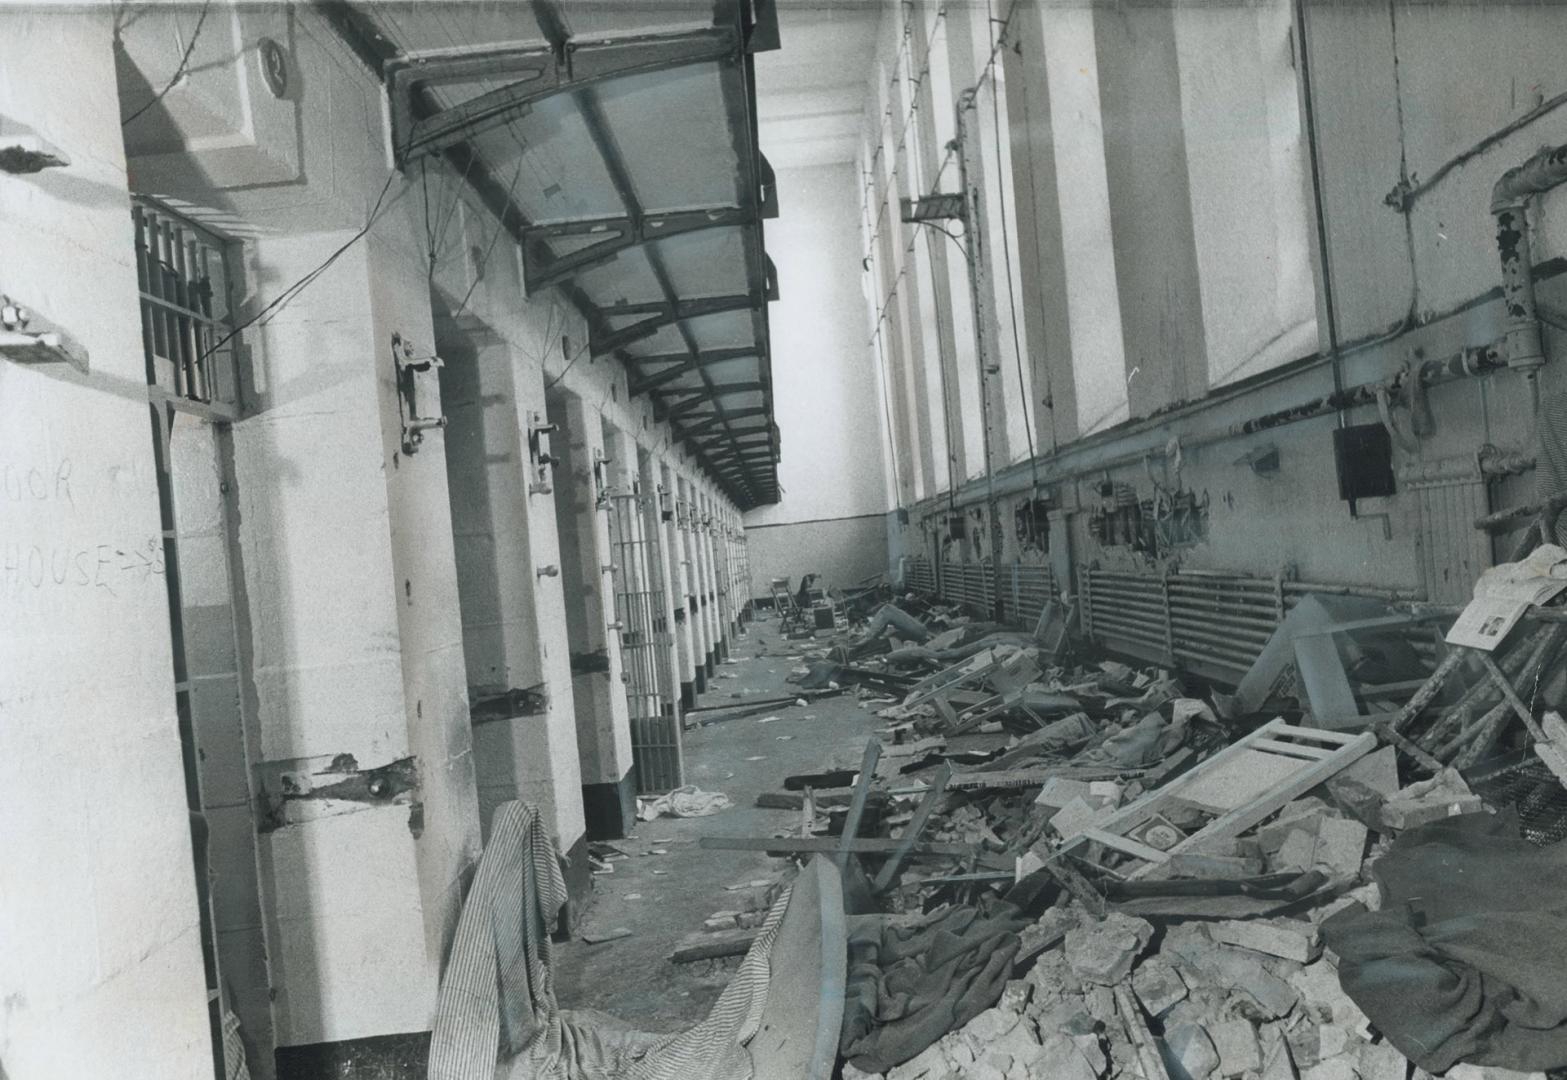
pixel 613 235
pixel 537 73
pixel 744 468
pixel 683 364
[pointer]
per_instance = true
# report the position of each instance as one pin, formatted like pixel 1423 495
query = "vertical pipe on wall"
pixel 1309 116
pixel 982 296
pixel 1509 205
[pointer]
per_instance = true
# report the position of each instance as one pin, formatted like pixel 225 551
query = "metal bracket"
pixel 935 207
pixel 539 452
pixel 408 367
pixel 25 338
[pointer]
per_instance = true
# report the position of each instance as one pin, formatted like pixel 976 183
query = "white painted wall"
pixel 824 375
pixel 100 957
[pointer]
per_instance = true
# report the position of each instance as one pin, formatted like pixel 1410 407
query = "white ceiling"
pixel 811 94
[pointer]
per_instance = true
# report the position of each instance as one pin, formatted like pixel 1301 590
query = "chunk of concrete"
pixel 1068 1017
pixel 1341 847
pixel 1444 795
pixel 1339 1068
pixel 1276 1061
pixel 989 1026
pixel 1103 953
pixel 1016 995
pixel 1053 980
pixel 1233 969
pixel 1059 791
pixel 1298 851
pixel 1197 864
pixel 1236 1043
pixel 1061 1059
pixel 1158 985
pixel 1300 814
pixel 1380 1061
pixel 1290 939
pixel 1190 1054
pixel 1018 1043
pixel 1487 1072
pixel 1325 999
pixel 1377 771
pixel 930 1062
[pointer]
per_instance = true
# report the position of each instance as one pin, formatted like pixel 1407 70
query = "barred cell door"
pixel 645 641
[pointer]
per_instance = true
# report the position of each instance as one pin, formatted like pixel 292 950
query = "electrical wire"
pixel 986 73
pixel 284 298
pixel 585 347
pixel 495 234
pixel 179 71
pixel 1006 251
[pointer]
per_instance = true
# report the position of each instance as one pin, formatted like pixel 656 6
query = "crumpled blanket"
pixel 1467 959
pixel 496 1014
pixel 1146 743
pixel 688 801
pixel 909 987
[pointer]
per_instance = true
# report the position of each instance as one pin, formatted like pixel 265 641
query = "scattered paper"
pixel 683 802
pixel 1503 593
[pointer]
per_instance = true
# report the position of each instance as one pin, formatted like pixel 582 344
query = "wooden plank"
pixel 1238 780
pixel 797 1035
pixel 1512 697
pixel 1313 734
pixel 713 944
pixel 862 791
pixel 1126 844
pixel 1150 1062
pixel 796 845
pixel 1290 749
pixel 914 749
pixel 912 833
pixel 1244 817
pixel 1157 799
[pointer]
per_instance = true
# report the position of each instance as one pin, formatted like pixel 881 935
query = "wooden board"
pixel 864 845
pixel 712 944
pixel 798 1035
pixel 1237 781
pixel 1303 773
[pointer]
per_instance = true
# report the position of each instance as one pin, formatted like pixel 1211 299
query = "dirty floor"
pixel 661 898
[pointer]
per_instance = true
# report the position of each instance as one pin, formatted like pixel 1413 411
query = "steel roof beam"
pixel 663 313
pixel 684 365
pixel 620 176
pixel 536 73
pixel 618 234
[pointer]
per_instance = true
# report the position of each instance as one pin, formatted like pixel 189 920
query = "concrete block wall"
pixel 100 951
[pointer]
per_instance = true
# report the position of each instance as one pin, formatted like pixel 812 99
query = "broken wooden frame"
pixel 1465 730
pixel 1243 784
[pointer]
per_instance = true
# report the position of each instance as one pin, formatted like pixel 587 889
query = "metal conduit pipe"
pixel 1509 205
pixel 1468 363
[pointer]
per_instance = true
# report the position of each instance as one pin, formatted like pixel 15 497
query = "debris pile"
pixel 1061 866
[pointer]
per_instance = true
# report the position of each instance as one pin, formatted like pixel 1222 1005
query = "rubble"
pixel 1173 927
pixel 1104 952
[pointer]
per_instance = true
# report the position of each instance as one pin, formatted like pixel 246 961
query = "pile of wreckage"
pixel 1056 865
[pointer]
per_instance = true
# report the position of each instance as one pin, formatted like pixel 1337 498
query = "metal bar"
pixel 540 72
pixel 661 314
pixel 620 234
pixel 862 791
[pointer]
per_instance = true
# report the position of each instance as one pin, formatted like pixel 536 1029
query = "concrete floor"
pixel 632 978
